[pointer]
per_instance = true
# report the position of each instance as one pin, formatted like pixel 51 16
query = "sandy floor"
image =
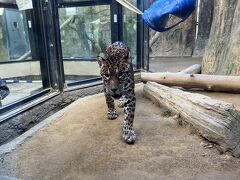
pixel 83 144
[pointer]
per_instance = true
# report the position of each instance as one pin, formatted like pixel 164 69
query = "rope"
pixel 129 6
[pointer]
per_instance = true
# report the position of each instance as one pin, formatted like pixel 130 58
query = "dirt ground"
pixel 83 144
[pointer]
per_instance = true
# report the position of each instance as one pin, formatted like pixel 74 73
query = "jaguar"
pixel 116 70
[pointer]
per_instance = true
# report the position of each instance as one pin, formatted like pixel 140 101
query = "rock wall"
pixel 178 41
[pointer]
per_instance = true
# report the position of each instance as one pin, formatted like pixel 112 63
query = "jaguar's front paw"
pixel 120 104
pixel 129 136
pixel 112 115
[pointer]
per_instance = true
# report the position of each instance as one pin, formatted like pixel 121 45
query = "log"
pixel 194 69
pixel 215 120
pixel 207 82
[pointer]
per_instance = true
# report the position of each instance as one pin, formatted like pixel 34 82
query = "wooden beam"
pixel 215 120
pixel 194 69
pixel 188 81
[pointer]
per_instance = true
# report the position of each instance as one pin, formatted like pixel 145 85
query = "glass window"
pixel 14 40
pixel 85 33
pixel 20 75
pixel 130 31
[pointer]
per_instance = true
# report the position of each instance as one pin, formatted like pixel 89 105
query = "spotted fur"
pixel 118 77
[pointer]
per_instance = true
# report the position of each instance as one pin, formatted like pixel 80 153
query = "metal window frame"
pixel 15 108
pixel 29 102
pixel 49 41
pixel 8 4
pixel 114 9
pixel 66 3
pixel 116 30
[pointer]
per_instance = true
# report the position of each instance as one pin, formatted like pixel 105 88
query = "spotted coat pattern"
pixel 118 77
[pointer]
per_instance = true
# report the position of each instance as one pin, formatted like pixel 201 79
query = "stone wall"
pixel 178 41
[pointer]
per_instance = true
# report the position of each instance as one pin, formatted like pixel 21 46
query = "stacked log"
pixel 215 120
pixel 194 69
pixel 207 82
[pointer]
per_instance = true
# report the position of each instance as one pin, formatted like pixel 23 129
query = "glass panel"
pixel 85 32
pixel 130 31
pixel 20 75
pixel 14 40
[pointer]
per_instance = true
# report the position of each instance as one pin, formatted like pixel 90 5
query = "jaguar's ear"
pixel 101 59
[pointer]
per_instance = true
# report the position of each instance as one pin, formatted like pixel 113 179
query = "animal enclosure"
pixel 88 90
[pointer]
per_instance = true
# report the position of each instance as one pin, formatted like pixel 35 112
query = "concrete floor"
pixel 83 144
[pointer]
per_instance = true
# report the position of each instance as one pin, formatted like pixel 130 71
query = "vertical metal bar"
pixel 37 42
pixel 120 22
pixel 52 43
pixel 44 6
pixel 114 21
pixel 142 38
pixel 58 45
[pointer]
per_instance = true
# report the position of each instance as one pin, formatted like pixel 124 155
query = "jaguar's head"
pixel 115 66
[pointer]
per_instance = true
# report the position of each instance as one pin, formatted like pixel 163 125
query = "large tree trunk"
pixel 215 120
pixel 222 55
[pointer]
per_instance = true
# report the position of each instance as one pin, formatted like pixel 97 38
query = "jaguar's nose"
pixel 114 90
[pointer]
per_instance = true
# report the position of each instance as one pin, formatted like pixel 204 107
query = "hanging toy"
pixel 160 12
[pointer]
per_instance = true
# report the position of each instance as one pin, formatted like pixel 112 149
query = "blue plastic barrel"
pixel 158 14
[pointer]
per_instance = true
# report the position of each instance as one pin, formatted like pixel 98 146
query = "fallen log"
pixel 215 120
pixel 194 69
pixel 189 81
